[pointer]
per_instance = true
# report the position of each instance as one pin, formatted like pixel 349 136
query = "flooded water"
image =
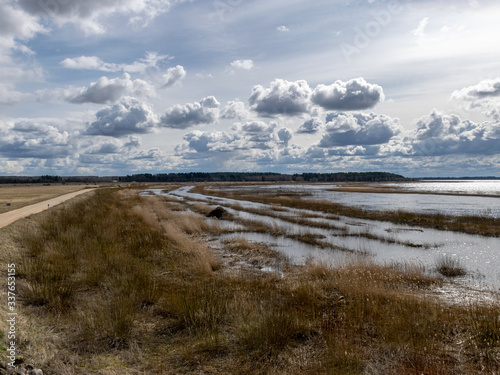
pixel 382 242
pixel 488 187
pixel 420 203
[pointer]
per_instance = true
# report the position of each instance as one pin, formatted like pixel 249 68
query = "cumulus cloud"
pixel 242 140
pixel 285 135
pixel 89 63
pixel 235 109
pixel 107 90
pixel 33 139
pixel 203 142
pixel 356 94
pixel 311 126
pixel 126 118
pixel 484 96
pixel 112 146
pixel 258 134
pixel 172 76
pixel 206 111
pixel 281 98
pixel 344 129
pixel 441 134
pixel 283 29
pixel 242 64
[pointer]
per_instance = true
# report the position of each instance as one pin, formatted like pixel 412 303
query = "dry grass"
pixel 450 266
pixel 144 299
pixel 257 254
pixel 24 195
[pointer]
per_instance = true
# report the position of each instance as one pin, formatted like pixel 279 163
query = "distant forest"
pixel 211 177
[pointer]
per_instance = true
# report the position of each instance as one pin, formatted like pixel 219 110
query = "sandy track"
pixel 11 216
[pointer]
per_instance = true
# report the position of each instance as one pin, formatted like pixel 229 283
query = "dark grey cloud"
pixel 285 135
pixel 110 146
pixel 311 126
pixel 344 129
pixel 441 134
pixel 356 94
pixel 106 90
pixel 126 118
pixel 281 98
pixel 206 111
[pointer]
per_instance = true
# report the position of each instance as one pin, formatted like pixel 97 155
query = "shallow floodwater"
pixel 478 254
pixel 489 187
pixel 421 203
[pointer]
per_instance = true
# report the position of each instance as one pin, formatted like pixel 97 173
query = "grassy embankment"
pixel 485 226
pixel 119 284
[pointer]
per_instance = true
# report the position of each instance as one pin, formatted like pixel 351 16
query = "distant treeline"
pixel 261 177
pixel 212 177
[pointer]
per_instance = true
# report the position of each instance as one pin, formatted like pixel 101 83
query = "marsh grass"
pixel 482 225
pixel 145 299
pixel 450 266
pixel 256 254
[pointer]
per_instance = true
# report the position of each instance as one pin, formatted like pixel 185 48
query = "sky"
pixel 116 87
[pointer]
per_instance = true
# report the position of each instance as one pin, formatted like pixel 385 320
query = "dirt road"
pixel 11 216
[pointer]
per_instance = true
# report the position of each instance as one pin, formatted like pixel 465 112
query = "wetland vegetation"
pixel 118 283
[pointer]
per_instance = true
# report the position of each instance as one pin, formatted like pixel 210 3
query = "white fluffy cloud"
pixel 172 76
pixel 294 98
pixel 344 129
pixel 281 98
pixel 242 64
pixel 485 96
pixel 107 90
pixel 283 29
pixel 441 134
pixel 126 118
pixel 356 94
pixel 235 109
pixel 29 138
pixel 206 111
